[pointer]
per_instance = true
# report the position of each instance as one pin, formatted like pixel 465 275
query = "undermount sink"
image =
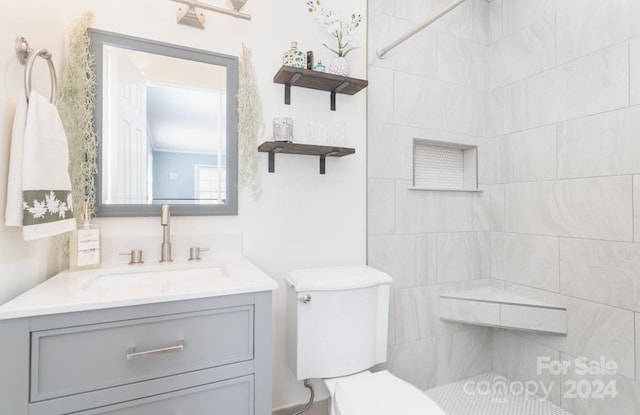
pixel 158 276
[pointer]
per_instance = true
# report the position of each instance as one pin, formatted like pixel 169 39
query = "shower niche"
pixel 439 165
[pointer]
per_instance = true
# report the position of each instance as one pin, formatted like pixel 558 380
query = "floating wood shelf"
pixel 306 78
pixel 273 147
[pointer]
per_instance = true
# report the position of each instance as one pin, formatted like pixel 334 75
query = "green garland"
pixel 249 125
pixel 76 103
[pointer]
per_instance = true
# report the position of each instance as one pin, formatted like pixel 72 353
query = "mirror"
pixel 167 123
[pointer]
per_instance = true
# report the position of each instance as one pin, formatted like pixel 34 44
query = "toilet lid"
pixel 381 393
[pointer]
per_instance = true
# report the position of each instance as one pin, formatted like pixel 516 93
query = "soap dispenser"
pixel 84 245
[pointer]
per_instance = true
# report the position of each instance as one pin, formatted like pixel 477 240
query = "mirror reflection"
pixel 167 135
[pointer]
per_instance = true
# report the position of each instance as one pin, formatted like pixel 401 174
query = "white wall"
pixel 302 220
pixel 24 264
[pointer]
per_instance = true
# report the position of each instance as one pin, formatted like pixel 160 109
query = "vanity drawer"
pixel 231 397
pixel 87 358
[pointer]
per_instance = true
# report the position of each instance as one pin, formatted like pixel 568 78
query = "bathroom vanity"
pixel 181 338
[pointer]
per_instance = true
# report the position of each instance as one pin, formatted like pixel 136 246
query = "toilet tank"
pixel 337 320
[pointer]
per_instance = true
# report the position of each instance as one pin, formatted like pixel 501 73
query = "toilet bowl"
pixel 379 393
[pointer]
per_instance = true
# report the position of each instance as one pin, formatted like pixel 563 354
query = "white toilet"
pixel 337 329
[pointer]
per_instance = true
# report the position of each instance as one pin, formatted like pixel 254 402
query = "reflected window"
pixel 210 184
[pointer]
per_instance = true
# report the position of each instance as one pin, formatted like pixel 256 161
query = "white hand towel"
pixel 42 165
pixel 13 209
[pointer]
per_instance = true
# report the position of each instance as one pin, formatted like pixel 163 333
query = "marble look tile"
pixel 636 207
pixel 482 209
pixel 524 53
pixel 481 30
pixel 464 354
pixel 389 153
pixel 585 399
pixel 605 272
pixel 438 211
pixel 637 346
pixel 417 315
pixel 525 156
pixel 598 208
pixel 463 256
pixel 488 113
pixel 413 313
pixel 590 25
pixel 497 208
pixel 469 20
pixel 410 259
pixel 417 56
pixel 425 103
pixel 595 83
pixel 530 260
pixel 595 330
pixel 600 145
pixel 382 6
pixel 391 327
pixel 454 287
pixel 634 58
pixel 415 362
pixel 495 20
pixel 462 61
pixel 380 206
pixel 380 95
pixel 517 14
pixel 470 311
pixel 534 318
pixel 516 358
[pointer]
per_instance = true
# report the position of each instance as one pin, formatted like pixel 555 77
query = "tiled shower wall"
pixel 433 87
pixel 564 79
pixel 549 90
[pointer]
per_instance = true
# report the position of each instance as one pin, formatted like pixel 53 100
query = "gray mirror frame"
pixel 100 38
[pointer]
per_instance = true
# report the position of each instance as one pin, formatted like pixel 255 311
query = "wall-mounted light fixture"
pixel 190 12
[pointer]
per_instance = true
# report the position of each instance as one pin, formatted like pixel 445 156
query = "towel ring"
pixel 23 51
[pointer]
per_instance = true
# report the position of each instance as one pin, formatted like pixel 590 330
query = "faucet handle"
pixel 194 253
pixel 135 256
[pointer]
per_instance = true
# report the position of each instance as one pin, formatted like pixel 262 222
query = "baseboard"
pixel 318 408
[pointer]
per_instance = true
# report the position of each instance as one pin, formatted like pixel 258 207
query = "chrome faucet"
pixel 165 248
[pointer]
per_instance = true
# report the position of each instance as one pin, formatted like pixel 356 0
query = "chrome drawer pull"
pixel 132 354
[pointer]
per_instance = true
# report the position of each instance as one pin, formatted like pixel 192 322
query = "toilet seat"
pixel 380 393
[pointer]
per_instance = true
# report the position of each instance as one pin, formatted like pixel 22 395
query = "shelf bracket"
pixel 287 87
pixel 323 160
pixel 272 161
pixel 337 89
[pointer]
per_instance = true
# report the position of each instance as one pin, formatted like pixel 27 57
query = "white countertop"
pixel 107 287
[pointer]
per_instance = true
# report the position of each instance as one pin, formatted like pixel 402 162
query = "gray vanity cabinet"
pixel 199 356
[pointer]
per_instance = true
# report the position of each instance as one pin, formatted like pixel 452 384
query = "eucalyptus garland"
pixel 76 103
pixel 249 125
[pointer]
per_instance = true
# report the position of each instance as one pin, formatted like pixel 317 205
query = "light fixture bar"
pixel 216 9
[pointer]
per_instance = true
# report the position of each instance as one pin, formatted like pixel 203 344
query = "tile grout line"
pixel 633 209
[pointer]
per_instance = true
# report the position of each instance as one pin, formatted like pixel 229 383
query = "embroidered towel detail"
pixel 41 153
pixel 42 206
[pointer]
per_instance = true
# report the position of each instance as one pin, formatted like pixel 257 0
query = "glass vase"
pixel 294 57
